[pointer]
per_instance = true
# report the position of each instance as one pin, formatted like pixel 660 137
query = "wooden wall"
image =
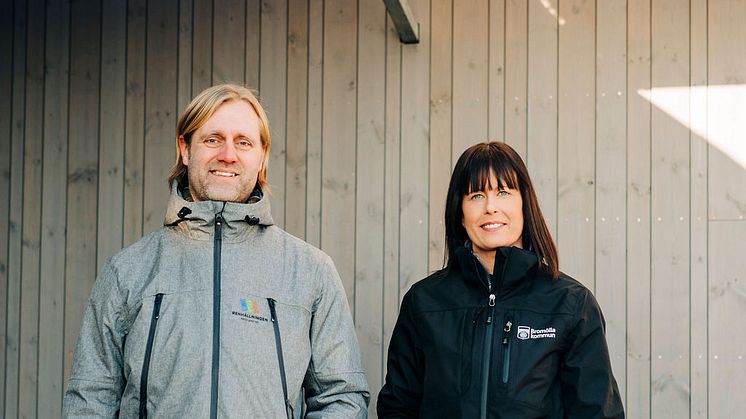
pixel 365 130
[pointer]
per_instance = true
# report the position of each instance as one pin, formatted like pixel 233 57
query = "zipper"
pixel 148 354
pixel 506 348
pixel 486 354
pixel 216 315
pixel 280 358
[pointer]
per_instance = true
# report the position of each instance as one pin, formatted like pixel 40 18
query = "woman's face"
pixel 493 218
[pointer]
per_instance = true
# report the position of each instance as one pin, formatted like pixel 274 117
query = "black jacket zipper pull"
pixel 506 331
pixel 491 304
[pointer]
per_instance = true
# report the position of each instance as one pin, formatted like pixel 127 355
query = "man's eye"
pixel 211 140
pixel 243 143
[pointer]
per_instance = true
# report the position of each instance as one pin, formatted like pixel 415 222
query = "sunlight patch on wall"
pixel 715 113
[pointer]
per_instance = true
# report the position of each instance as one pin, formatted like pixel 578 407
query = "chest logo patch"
pixel 250 311
pixel 526 332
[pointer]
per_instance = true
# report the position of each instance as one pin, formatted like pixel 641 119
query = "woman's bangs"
pixel 480 169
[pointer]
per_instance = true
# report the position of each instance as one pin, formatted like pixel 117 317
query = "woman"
pixel 500 332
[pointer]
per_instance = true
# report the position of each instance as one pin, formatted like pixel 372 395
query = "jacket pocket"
pixel 148 354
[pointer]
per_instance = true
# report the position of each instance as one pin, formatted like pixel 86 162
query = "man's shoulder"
pixel 298 245
pixel 140 249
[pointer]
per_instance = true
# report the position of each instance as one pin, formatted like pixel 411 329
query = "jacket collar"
pixel 512 266
pixel 197 219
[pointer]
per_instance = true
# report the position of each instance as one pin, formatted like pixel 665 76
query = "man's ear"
pixel 184 150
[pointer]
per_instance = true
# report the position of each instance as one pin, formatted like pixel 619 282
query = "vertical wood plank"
pixel 15 238
pixel 202 46
pixel 698 315
pixel 7 63
pixel 726 101
pixel 727 365
pixel 415 133
pixel 160 108
pixel 670 294
pixel 134 131
pixel 338 131
pixel 470 73
pixel 441 109
pixel 297 99
pixel 82 171
pixel 111 122
pixel 496 107
pixel 516 74
pixel 31 218
pixel 541 147
pixel 253 35
pixel 391 185
pixel 369 203
pixel 229 34
pixel 638 210
pixel 611 178
pixel 315 118
pixel 54 199
pixel 273 89
pixel 186 35
pixel 576 138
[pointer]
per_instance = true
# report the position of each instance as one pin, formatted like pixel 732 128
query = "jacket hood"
pixel 201 215
pixel 512 266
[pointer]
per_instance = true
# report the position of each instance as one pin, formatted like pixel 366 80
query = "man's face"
pixel 225 154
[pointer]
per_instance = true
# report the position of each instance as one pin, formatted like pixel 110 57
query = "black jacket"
pixel 516 345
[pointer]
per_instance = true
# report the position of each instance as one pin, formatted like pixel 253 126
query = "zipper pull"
pixel 506 331
pixel 272 312
pixel 491 304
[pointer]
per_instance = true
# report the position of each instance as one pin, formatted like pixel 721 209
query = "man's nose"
pixel 227 152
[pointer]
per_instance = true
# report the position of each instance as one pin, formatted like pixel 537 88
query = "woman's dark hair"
pixel 472 173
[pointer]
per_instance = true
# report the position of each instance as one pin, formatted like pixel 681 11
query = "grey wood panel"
pixel 611 178
pixel 160 108
pixel 576 141
pixel 670 296
pixel 638 209
pixel 541 142
pixel 15 216
pixel 32 177
pixel 370 196
pixel 53 208
pixel 470 73
pixel 134 131
pixel 726 118
pixel 315 118
pixel 391 186
pixel 496 75
pixel 82 169
pixel 516 74
pixel 338 139
pixel 698 216
pixel 414 171
pixel 184 69
pixel 253 35
pixel 229 35
pixel 111 127
pixel 202 45
pixel 297 122
pixel 441 127
pixel 273 89
pixel 6 106
pixel 726 362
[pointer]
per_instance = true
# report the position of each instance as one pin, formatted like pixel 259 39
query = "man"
pixel 219 313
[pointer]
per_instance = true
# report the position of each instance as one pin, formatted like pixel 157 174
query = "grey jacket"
pixel 150 344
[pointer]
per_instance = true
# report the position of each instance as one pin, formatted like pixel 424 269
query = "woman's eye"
pixel 476 196
pixel 503 193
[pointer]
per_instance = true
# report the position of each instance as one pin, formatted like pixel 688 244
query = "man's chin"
pixel 214 194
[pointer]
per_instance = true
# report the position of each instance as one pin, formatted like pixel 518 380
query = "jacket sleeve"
pixel 589 389
pixel 335 382
pixel 96 380
pixel 401 395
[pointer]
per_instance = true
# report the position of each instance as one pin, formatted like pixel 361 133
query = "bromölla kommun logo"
pixel 527 332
